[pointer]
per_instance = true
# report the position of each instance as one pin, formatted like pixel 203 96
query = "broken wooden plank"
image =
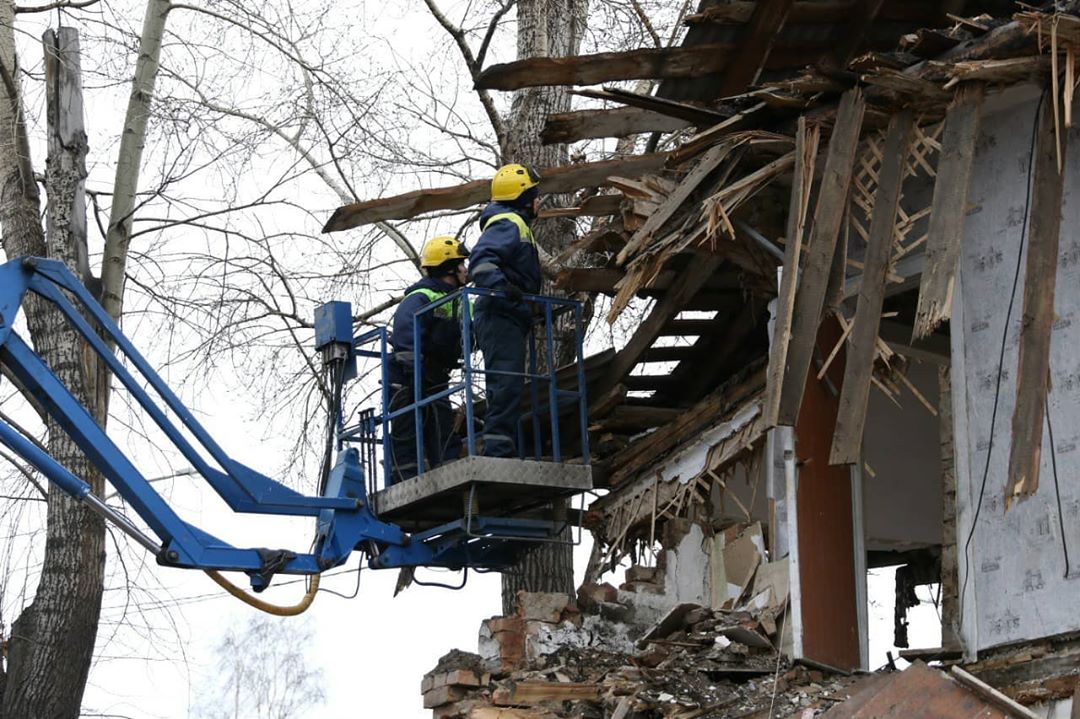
pixel 606 67
pixel 534 692
pixel 556 180
pixel 861 349
pixel 616 122
pixel 594 206
pixel 829 213
pixel 755 44
pixel 675 200
pixel 992 695
pixel 806 148
pixel 1033 368
pixel 482 712
pixel 948 210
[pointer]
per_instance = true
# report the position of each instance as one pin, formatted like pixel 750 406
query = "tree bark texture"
pixel 546 28
pixel 52 641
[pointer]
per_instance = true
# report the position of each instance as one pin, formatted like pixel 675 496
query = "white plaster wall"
pixel 686 570
pixel 902 503
pixel 1013 576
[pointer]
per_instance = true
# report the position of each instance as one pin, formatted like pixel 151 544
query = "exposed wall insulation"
pixel 1013 583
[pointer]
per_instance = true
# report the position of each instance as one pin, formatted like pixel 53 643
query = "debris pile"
pixel 590 659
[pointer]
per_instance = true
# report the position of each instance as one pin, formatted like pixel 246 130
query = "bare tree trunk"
pixel 129 162
pixel 52 641
pixel 545 28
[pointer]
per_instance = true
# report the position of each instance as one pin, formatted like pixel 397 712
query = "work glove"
pixel 513 293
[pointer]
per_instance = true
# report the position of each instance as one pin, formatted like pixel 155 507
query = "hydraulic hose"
pixel 278 611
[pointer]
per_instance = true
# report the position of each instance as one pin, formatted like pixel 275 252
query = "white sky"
pixel 156 647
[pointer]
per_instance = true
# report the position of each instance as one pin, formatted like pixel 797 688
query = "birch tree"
pixel 51 643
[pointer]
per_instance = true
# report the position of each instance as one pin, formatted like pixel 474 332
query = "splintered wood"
pixel 675 227
pixel 1033 372
pixel 948 210
pixel 630 525
pixel 806 149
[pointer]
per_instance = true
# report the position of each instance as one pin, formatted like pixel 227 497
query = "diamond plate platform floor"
pixel 503 487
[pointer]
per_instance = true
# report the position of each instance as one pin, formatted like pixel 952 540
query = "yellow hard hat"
pixel 512 180
pixel 440 249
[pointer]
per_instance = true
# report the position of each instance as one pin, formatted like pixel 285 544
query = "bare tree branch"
pixel 644 18
pixel 62 4
pixel 474 67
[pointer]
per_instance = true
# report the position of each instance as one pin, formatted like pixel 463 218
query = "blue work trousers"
pixel 440 443
pixel 501 330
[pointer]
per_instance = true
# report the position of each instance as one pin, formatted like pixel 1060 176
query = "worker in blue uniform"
pixel 505 259
pixel 442 260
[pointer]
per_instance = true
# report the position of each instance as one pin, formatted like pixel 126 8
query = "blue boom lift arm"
pixel 345 522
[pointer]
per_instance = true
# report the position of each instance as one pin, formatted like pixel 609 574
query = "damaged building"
pixel 862 253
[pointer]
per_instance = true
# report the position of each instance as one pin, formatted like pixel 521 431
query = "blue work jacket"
pixel 440 329
pixel 502 254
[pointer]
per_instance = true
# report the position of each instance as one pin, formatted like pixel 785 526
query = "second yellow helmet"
pixel 512 180
pixel 440 249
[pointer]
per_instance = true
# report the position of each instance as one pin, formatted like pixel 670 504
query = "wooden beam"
pixel 686 286
pixel 616 122
pixel 668 354
pixel 687 328
pixel 755 44
pixel 862 342
pixel 645 382
pixel 806 149
pixel 1040 278
pixel 948 210
pixel 828 214
pixel 693 114
pixel 629 419
pixel 568 178
pixel 601 279
pixel 605 67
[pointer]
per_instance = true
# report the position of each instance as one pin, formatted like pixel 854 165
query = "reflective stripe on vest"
pixel 448 310
pixel 524 233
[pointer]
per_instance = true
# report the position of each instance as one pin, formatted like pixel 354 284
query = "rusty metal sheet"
pixel 919 692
